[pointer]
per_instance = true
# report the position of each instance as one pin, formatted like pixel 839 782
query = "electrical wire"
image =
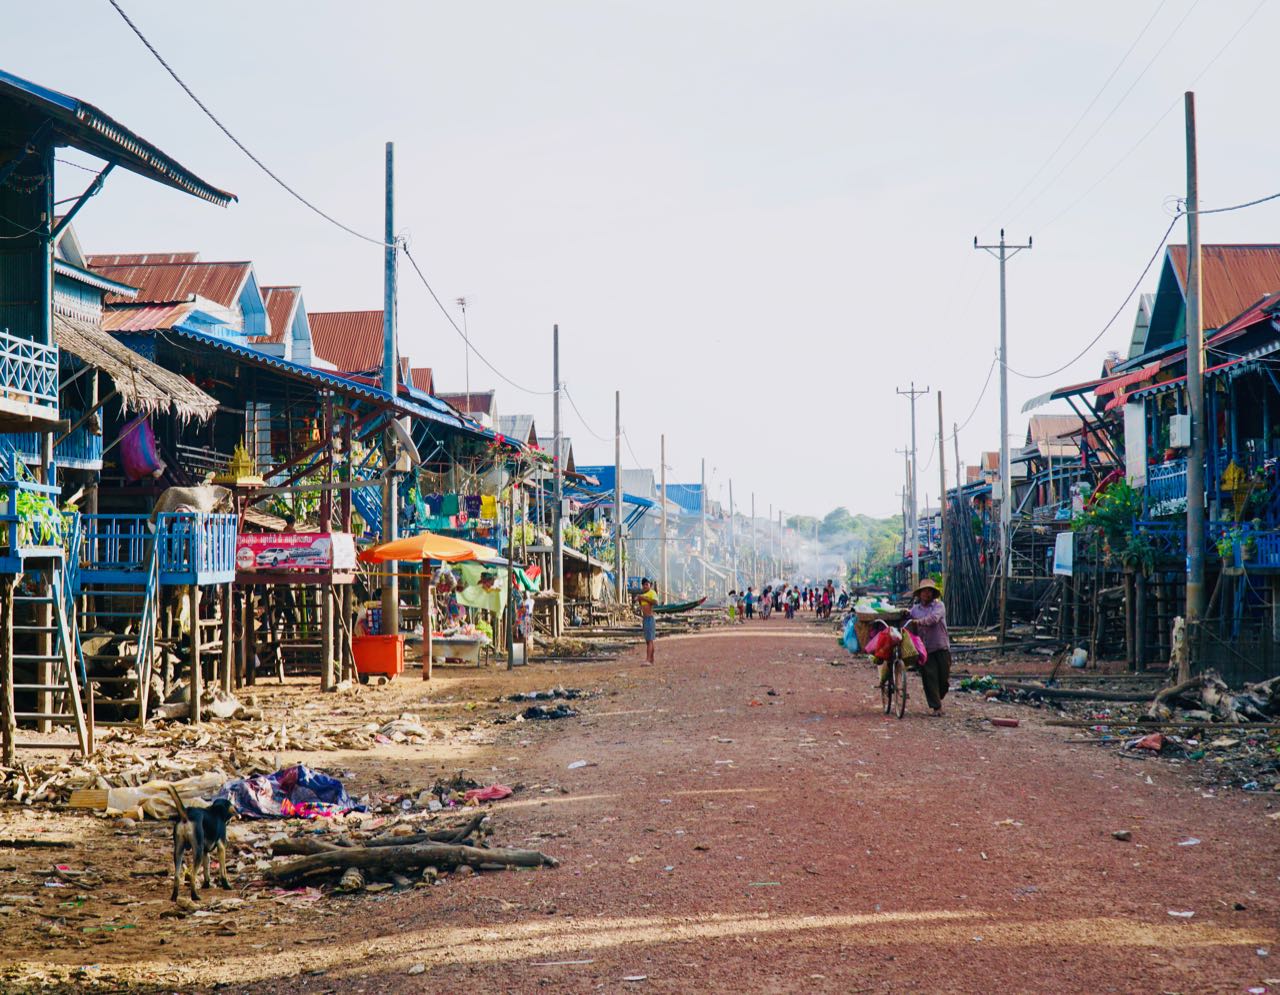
pixel 634 459
pixel 239 144
pixel 76 165
pixel 573 404
pixel 404 247
pixel 1160 120
pixel 1107 327
pixel 976 404
pixel 1111 113
pixel 1084 113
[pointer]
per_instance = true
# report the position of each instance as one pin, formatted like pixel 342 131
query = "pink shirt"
pixel 931 625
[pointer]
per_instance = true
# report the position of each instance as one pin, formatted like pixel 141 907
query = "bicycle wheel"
pixel 900 684
pixel 886 692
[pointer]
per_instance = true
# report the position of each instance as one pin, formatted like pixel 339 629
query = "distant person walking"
pixel 929 620
pixel 647 599
pixel 750 600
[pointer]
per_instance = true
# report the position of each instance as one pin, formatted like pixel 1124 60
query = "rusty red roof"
pixel 281 304
pixel 478 402
pixel 350 340
pixel 1051 428
pixel 420 377
pixel 165 283
pixel 1233 277
pixel 144 318
pixel 142 258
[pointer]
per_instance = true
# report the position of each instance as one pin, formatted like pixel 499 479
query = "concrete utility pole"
pixel 703 505
pixel 557 490
pixel 1004 252
pixel 390 369
pixel 782 545
pixel 755 562
pixel 619 582
pixel 733 541
pixel 466 353
pixel 942 495
pixel 912 393
pixel 666 594
pixel 906 494
pixel 1195 395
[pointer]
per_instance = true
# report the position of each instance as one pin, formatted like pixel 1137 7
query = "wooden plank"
pixel 196 675
pixel 7 723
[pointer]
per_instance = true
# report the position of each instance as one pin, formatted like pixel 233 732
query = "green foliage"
pixel 1112 523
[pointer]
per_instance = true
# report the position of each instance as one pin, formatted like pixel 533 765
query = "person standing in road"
pixel 647 599
pixel 929 621
pixel 750 600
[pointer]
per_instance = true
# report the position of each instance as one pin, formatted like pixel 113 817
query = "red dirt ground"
pixel 752 823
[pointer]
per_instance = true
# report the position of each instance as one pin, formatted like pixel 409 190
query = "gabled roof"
pixel 168 283
pixel 1052 428
pixel 421 378
pixel 518 427
pixel 1232 277
pixel 478 402
pixel 350 340
pixel 282 305
pixel 84 127
pixel 547 443
pixel 142 258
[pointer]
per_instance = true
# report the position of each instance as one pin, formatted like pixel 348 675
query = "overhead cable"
pixel 573 404
pixel 239 144
pixel 1107 327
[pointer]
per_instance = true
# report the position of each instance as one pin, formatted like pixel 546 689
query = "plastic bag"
pixel 913 650
pixel 138 455
pixel 883 642
pixel 850 638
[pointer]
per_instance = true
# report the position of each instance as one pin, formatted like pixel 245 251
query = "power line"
pixel 976 404
pixel 1111 113
pixel 634 459
pixel 1084 113
pixel 1107 327
pixel 448 317
pixel 239 144
pixel 573 404
pixel 1158 121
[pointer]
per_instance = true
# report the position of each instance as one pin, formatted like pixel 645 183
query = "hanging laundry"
pixel 449 506
pixel 489 507
pixel 472 502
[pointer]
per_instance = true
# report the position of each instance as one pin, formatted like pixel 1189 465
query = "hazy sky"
pixel 755 219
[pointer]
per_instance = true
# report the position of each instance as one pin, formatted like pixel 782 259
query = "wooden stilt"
pixel 327 681
pixel 195 680
pixel 428 619
pixel 224 658
pixel 348 656
pixel 7 723
pixel 250 637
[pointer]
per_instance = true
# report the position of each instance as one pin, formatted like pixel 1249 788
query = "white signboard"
pixel 1135 444
pixel 1063 554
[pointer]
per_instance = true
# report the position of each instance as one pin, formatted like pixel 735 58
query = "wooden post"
pixel 428 618
pixel 942 500
pixel 196 676
pixel 348 659
pixel 245 656
pixel 327 682
pixel 7 722
pixel 224 658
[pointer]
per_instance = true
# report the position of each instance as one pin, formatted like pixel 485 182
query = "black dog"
pixel 203 831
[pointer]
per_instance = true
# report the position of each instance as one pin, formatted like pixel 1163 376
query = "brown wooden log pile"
pixel 1207 697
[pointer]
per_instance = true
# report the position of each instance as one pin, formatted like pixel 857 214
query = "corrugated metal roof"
pixel 350 340
pixel 281 303
pixel 421 378
pixel 518 427
pixel 478 402
pixel 547 443
pixel 145 318
pixel 83 126
pixel 1048 428
pixel 1233 277
pixel 95 280
pixel 322 378
pixel 141 258
pixel 167 283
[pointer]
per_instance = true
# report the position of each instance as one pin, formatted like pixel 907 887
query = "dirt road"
pixel 749 822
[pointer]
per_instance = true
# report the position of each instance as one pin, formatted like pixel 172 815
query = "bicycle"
pixel 893 683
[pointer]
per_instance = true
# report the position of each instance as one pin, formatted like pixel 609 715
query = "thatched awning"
pixel 144 387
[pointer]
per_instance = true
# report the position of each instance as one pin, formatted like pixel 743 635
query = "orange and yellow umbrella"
pixel 428 546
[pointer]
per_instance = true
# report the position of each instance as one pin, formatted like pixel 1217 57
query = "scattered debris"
pixel 1123 835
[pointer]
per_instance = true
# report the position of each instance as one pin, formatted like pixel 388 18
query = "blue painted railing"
pixel 28 371
pixel 1167 481
pixel 82 449
pixel 192 548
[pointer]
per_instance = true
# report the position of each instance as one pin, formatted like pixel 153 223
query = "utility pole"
pixel 1195 395
pixel 942 496
pixel 390 370
pixel 557 490
pixel 733 540
pixel 703 509
pixel 955 439
pixel 912 393
pixel 906 487
pixel 782 545
pixel 466 345
pixel 619 582
pixel 769 533
pixel 1004 252
pixel 666 594
pixel 755 562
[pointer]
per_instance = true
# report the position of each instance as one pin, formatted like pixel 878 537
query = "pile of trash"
pixel 1250 762
pixel 567 694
